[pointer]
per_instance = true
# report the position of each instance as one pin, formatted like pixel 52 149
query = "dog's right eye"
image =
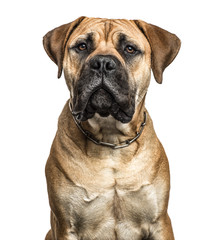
pixel 82 47
pixel 130 49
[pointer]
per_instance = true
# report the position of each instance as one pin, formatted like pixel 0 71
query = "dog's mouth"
pixel 101 102
pixel 104 103
pixel 103 88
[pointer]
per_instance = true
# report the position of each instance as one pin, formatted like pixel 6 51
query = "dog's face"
pixel 107 67
pixel 107 63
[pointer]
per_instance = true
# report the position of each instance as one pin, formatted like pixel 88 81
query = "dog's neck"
pixel 105 129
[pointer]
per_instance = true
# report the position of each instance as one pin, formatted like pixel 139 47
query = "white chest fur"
pixel 114 199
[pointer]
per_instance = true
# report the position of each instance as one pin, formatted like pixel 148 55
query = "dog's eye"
pixel 82 46
pixel 130 49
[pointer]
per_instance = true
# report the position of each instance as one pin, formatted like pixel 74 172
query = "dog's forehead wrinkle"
pixel 88 36
pixel 108 28
pixel 123 37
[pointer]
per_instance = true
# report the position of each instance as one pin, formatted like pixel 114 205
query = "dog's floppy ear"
pixel 54 42
pixel 164 47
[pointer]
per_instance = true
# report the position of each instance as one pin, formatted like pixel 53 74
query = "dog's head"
pixel 107 63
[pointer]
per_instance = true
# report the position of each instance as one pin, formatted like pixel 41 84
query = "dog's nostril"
pixel 96 65
pixel 110 65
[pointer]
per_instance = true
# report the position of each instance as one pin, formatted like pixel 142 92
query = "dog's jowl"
pixel 107 173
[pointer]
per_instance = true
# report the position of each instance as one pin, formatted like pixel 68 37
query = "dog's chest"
pixel 114 198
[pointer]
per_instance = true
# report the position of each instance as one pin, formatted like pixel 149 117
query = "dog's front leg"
pixel 62 199
pixel 162 229
pixel 60 232
pixel 50 236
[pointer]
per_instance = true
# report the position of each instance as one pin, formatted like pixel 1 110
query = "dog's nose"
pixel 103 63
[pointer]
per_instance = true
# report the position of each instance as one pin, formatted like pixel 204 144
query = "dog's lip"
pixel 101 100
pixel 121 109
pixel 78 108
pixel 114 111
pixel 120 116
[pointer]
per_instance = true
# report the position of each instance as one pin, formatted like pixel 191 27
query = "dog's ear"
pixel 54 42
pixel 164 47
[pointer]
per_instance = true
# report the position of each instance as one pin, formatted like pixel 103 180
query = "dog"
pixel 107 172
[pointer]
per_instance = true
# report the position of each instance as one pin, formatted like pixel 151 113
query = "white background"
pixel 186 109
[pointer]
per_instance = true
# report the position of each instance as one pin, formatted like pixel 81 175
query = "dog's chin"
pixel 103 103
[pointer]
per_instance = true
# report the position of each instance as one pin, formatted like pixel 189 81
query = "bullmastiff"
pixel 107 172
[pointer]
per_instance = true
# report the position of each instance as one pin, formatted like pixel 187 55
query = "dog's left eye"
pixel 130 49
pixel 82 46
